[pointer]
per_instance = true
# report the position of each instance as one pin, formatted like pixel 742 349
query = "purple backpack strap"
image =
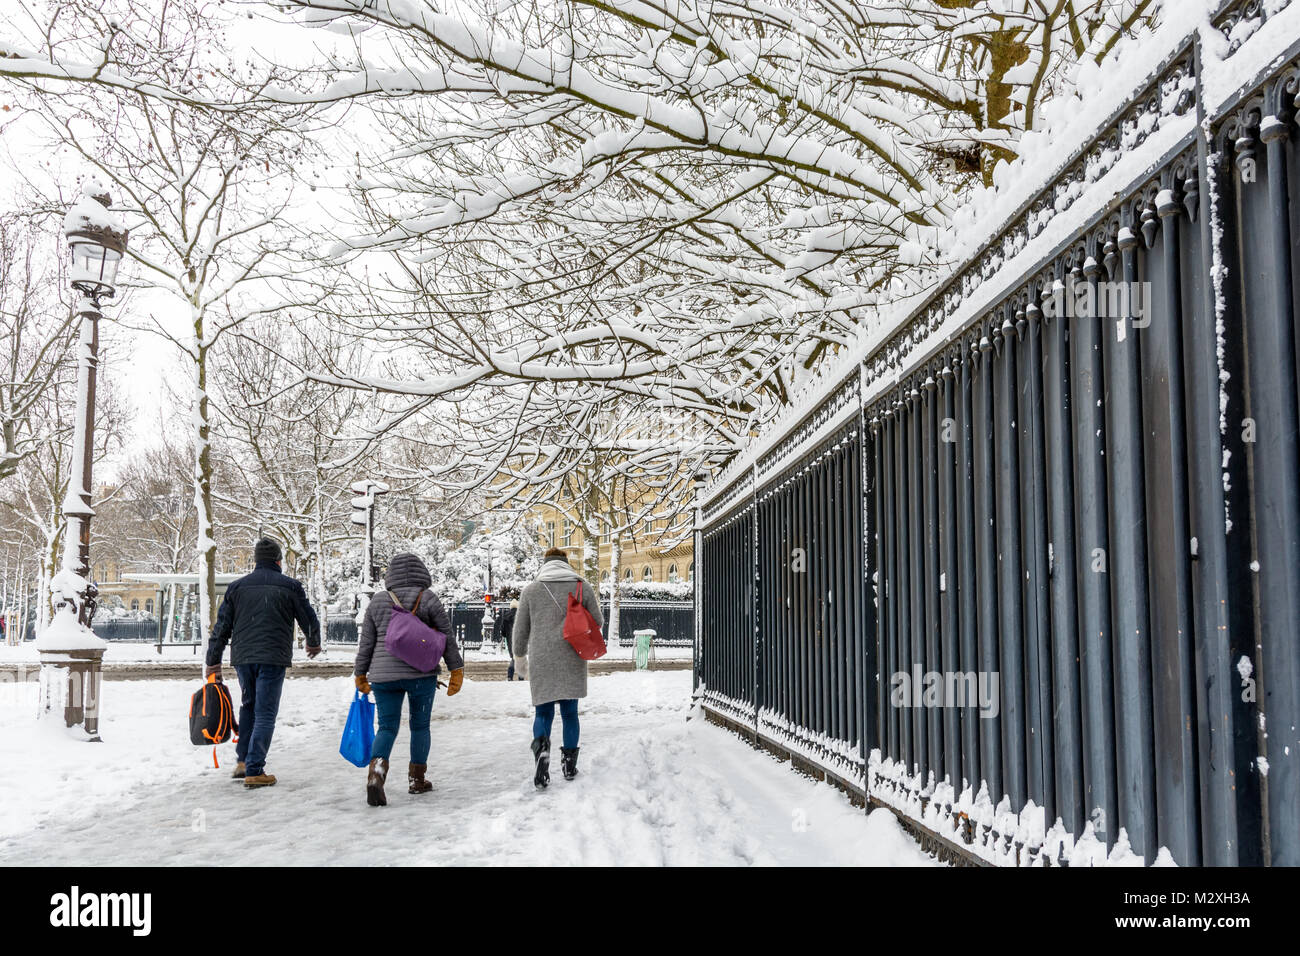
pixel 398 603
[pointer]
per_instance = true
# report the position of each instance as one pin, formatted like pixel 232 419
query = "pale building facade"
pixel 646 556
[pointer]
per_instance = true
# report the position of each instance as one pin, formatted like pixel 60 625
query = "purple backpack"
pixel 411 640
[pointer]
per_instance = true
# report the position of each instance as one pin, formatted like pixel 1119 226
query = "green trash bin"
pixel 643 639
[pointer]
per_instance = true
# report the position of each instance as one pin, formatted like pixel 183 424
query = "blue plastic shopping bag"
pixel 359 731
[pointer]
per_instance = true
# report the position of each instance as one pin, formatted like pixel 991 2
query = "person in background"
pixel 392 679
pixel 507 632
pixel 256 617
pixel 553 669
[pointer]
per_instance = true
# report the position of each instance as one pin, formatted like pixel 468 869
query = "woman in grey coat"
pixel 553 669
pixel 392 679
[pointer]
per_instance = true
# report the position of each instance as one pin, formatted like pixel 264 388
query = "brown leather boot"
pixel 375 782
pixel 415 778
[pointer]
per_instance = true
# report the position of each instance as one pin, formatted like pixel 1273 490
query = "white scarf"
pixel 557 571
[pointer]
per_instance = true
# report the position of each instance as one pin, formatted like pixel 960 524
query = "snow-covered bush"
pixel 651 591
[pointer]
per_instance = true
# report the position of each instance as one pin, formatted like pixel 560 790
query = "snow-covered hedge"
pixel 651 591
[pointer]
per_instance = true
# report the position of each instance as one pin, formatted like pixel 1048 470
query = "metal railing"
pixel 126 632
pixel 1091 513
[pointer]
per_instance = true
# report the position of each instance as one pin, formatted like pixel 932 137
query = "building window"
pixel 568 533
pixel 148 605
pixel 672 574
pixel 135 604
pixel 627 575
pixel 648 574
pixel 690 571
pixel 550 534
pixel 604 575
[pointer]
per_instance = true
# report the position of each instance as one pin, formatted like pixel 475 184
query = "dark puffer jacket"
pixel 408 578
pixel 257 616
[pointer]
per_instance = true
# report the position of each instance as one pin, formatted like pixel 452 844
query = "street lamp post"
pixel 363 515
pixel 71 655
pixel 488 641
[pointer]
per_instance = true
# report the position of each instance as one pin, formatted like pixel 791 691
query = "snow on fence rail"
pixel 1025 564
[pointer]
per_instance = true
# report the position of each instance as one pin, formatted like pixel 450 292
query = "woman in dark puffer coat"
pixel 391 678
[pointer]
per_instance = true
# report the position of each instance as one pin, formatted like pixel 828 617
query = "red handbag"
pixel 581 630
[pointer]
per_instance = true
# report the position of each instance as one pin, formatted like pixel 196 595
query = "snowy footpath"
pixel 654 788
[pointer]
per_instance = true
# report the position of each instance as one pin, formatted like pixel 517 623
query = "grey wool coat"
pixel 408 578
pixel 555 671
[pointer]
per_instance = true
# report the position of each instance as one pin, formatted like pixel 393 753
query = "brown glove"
pixel 457 678
pixel 363 685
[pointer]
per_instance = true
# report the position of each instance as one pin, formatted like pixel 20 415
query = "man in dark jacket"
pixel 257 617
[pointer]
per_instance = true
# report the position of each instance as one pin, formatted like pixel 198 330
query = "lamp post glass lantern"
pixel 97 240
pixel 97 263
pixel 70 652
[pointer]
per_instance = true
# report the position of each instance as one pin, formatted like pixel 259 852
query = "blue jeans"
pixel 568 714
pixel 259 703
pixel 388 701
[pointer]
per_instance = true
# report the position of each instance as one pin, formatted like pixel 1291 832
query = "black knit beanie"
pixel 266 550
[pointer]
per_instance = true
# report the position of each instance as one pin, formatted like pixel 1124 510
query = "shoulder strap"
pixel 398 603
pixel 418 598
pixel 549 593
pixel 546 586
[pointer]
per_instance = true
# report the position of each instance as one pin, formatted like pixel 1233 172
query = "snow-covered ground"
pixel 654 788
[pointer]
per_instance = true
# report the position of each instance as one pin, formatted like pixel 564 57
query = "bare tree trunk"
pixel 9 603
pixel 29 597
pixel 49 559
pixel 590 541
pixel 207 545
pixel 24 597
pixel 615 578
pixel 318 577
pixel 6 611
pixel 170 634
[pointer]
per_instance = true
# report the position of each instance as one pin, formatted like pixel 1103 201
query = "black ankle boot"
pixel 569 762
pixel 542 755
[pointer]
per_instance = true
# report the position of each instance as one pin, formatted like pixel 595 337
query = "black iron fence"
pixel 1039 544
pixel 672 621
pixel 127 632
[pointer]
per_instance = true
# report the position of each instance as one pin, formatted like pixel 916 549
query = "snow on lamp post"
pixel 363 515
pixel 71 655
pixel 488 635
